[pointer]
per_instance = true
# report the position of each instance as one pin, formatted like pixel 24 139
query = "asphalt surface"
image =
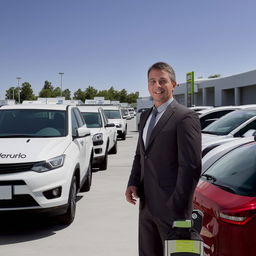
pixel 105 224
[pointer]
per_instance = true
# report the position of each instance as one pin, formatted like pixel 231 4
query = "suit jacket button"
pixel 146 157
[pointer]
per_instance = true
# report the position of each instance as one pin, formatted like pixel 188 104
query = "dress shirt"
pixel 161 109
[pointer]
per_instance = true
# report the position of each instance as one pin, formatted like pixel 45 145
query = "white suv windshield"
pixel 113 114
pixel 32 123
pixel 229 122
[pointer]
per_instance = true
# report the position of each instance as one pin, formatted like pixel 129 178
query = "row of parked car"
pixel 47 153
pixel 226 192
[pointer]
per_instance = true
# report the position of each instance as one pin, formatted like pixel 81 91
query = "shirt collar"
pixel 164 106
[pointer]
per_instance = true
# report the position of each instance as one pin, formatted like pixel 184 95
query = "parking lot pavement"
pixel 105 224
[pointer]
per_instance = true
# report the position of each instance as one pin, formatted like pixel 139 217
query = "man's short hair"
pixel 164 66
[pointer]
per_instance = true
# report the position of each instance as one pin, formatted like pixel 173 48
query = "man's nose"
pixel 158 84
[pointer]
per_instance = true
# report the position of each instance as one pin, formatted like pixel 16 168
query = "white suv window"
pixel 75 124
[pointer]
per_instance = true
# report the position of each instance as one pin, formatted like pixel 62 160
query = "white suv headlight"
pixel 50 164
pixel 97 139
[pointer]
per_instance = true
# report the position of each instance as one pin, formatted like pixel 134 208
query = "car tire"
pixel 69 216
pixel 123 137
pixel 113 150
pixel 104 164
pixel 87 184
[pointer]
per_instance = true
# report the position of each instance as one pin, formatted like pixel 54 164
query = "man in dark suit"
pixel 167 162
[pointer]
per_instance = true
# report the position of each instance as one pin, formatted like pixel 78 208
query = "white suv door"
pixel 82 143
pixel 111 132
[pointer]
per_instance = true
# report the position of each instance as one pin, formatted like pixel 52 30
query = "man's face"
pixel 160 86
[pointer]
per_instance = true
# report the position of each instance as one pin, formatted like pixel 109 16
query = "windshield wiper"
pixel 209 177
pixel 208 132
pixel 226 188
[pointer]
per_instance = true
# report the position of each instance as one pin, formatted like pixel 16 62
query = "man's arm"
pixel 134 179
pixel 131 192
pixel 189 160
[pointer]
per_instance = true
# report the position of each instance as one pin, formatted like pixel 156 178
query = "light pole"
pixel 18 78
pixel 61 73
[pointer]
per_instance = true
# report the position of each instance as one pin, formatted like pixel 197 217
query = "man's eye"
pixel 162 82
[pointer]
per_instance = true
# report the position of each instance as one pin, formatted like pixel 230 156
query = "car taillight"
pixel 238 218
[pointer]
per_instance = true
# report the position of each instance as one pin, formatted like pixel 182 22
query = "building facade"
pixel 239 89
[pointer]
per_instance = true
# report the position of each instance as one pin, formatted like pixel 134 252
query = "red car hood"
pixel 212 197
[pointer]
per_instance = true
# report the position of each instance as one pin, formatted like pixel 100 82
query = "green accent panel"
pixel 182 224
pixel 183 246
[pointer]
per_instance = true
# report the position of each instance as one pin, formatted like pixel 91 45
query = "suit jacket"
pixel 167 172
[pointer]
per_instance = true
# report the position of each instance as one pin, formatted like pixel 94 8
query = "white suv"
pixel 104 134
pixel 114 115
pixel 45 158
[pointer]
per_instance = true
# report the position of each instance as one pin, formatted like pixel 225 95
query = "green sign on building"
pixel 190 82
pixel 190 88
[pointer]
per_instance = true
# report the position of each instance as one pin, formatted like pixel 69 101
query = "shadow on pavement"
pixel 18 227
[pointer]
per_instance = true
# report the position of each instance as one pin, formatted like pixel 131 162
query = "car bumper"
pixel 97 160
pixel 51 211
pixel 99 151
pixel 26 190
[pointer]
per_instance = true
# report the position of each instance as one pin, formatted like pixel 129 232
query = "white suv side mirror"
pixel 83 132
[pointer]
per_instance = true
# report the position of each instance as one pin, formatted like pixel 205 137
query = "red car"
pixel 226 194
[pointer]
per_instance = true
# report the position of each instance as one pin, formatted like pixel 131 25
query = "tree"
pixel 10 93
pixel 132 97
pixel 122 96
pixel 112 94
pixel 56 92
pixel 48 85
pixel 47 91
pixel 103 93
pixel 26 92
pixel 90 92
pixel 79 95
pixel 67 94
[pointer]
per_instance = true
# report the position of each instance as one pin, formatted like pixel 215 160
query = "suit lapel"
pixel 143 121
pixel 162 121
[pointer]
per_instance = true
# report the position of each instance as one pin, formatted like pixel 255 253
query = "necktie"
pixel 151 125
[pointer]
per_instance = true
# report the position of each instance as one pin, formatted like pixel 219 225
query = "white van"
pixel 45 158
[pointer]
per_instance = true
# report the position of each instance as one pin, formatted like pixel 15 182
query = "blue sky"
pixel 106 43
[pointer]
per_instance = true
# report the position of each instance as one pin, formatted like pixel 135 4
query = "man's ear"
pixel 174 84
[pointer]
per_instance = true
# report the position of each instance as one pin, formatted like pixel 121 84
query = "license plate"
pixel 5 192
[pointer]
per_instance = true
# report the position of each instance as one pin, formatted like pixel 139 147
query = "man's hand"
pixel 131 194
